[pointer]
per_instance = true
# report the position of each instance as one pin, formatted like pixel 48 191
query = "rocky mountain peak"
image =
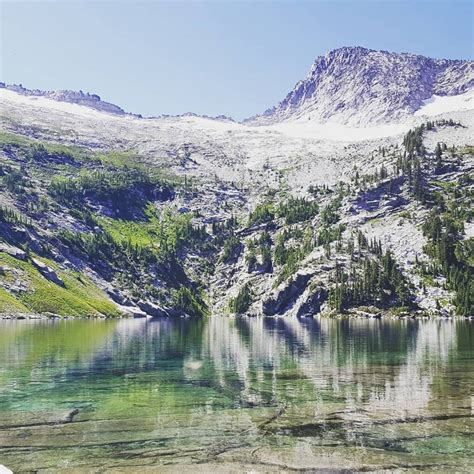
pixel 359 86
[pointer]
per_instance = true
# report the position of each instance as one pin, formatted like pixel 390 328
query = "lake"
pixel 233 395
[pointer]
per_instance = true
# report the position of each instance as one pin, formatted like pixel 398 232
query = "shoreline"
pixel 350 315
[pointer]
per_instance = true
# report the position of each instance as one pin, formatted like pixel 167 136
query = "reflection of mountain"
pixel 31 342
pixel 410 391
pixel 381 365
pixel 356 393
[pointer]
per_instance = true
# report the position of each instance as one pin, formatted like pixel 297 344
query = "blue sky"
pixel 233 58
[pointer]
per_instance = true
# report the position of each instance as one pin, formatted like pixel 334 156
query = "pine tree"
pixel 280 251
pixel 242 301
pixel 438 154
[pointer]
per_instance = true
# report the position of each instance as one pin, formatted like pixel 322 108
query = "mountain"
pixel 103 213
pixel 92 101
pixel 352 86
pixel 359 87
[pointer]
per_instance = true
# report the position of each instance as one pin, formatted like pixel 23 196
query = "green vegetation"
pixel 11 216
pixel 413 141
pixel 231 250
pixel 8 303
pixel 125 190
pixel 319 190
pixel 130 244
pixel 14 180
pixel 38 151
pixel 261 246
pixel 115 221
pixel 251 259
pixel 330 215
pixel 451 204
pixel 241 303
pixel 297 210
pixel 452 256
pixel 380 283
pixel 190 302
pixel 164 233
pixel 330 234
pixel 78 297
pixel 262 213
pixel 290 256
pixel 119 222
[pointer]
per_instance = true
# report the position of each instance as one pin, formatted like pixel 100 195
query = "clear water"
pixel 225 395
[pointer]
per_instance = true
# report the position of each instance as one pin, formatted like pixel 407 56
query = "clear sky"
pixel 233 58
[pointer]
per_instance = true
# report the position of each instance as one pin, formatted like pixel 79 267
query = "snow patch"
pixel 437 105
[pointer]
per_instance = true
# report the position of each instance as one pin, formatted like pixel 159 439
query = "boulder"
pixel 151 309
pixel 47 272
pixel 132 311
pixel 118 297
pixel 51 315
pixel 13 251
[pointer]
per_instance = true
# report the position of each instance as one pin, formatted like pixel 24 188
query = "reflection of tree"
pixel 410 390
pixel 364 391
pixel 34 343
pixel 381 364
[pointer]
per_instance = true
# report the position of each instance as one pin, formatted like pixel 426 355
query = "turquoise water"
pixel 233 395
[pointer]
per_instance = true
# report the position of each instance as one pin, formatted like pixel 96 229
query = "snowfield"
pixel 437 105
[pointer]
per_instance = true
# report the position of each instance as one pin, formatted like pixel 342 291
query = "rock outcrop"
pixel 47 272
pixel 286 295
pixel 73 97
pixel 313 303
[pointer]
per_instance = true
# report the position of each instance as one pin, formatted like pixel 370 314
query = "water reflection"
pixel 186 375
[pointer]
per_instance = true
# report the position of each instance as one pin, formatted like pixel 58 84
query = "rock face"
pixel 351 85
pixel 285 296
pixel 227 171
pixel 94 101
pixel 151 309
pixel 313 303
pixel 358 86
